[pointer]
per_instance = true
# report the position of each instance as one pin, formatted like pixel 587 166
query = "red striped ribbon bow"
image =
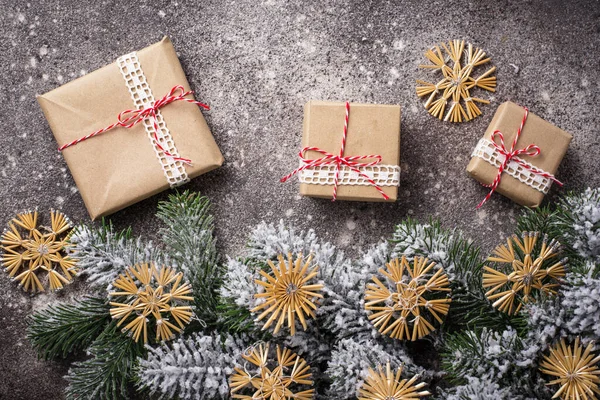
pixel 338 161
pixel 130 118
pixel 512 155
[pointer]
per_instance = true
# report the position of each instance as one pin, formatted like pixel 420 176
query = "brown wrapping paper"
pixel 552 141
pixel 372 129
pixel 119 168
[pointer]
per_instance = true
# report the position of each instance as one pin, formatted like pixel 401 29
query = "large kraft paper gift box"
pixel 125 165
pixel 522 185
pixel 372 130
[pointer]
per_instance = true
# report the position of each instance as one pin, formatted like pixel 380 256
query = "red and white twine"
pixel 339 161
pixel 512 155
pixel 130 118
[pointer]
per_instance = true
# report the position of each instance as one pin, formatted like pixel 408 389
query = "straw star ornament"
pixel 575 369
pixel 148 295
pixel 266 379
pixel 412 299
pixel 387 385
pixel 289 293
pixel 522 270
pixel 36 256
pixel 457 66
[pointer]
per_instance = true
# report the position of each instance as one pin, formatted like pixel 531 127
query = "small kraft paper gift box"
pixel 350 151
pixel 518 155
pixel 131 129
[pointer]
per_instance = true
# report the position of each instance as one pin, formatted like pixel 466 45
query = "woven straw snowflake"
pixel 412 299
pixel 575 369
pixel 151 295
pixel 36 256
pixel 457 67
pixel 387 385
pixel 289 293
pixel 522 269
pixel 263 378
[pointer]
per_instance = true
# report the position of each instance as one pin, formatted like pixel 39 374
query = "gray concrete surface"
pixel 256 63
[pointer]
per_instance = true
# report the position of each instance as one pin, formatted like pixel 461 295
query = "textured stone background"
pixel 256 63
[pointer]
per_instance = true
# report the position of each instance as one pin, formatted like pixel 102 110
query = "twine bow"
pixel 338 161
pixel 130 118
pixel 513 155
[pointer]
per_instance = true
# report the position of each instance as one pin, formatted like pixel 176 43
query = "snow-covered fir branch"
pixel 504 360
pixel 266 241
pixel 498 359
pixel 312 345
pixel 481 388
pixel 351 359
pixel 188 234
pixel 102 254
pixel 583 214
pixel 574 312
pixel 238 285
pixel 428 240
pixel 194 367
pixel 482 353
pixel 191 247
pixel 343 312
pixel 581 304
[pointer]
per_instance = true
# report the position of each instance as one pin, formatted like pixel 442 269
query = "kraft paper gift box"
pixel 520 184
pixel 123 166
pixel 372 130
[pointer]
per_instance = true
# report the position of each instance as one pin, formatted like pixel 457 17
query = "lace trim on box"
pixel 142 97
pixel 383 175
pixel 486 151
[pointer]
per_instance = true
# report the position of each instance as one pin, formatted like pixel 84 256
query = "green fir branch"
pixel 63 329
pixel 585 200
pixel 107 374
pixel 234 318
pixel 543 219
pixel 191 247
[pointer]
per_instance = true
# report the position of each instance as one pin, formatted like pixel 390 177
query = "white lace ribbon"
pixel 142 97
pixel 383 175
pixel 486 150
